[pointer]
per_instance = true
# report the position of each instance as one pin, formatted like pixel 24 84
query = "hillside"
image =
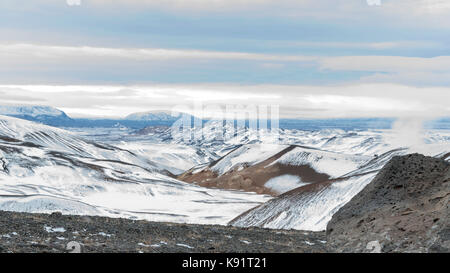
pixel 272 169
pixel 404 209
pixel 310 207
pixel 45 169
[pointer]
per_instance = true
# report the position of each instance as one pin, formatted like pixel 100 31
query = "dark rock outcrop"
pixel 404 209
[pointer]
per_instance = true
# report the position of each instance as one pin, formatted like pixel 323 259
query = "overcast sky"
pixel 314 58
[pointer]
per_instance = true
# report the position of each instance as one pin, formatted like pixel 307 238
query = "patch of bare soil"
pixel 253 178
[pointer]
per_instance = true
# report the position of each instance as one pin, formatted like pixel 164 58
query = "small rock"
pixel 56 214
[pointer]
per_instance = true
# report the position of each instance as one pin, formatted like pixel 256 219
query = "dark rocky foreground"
pixel 404 209
pixel 24 232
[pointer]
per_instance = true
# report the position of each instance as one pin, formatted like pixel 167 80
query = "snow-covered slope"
pixel 332 164
pixel 306 208
pixel 222 138
pixel 45 169
pixel 175 158
pixel 249 154
pixel 49 139
pixel 310 207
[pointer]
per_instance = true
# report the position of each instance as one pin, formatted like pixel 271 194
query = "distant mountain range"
pixel 153 116
pixel 45 169
pixel 54 117
pixel 42 114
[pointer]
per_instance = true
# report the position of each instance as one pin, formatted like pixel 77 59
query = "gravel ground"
pixel 25 232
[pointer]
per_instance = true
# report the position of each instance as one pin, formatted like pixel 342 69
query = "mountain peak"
pixel 30 111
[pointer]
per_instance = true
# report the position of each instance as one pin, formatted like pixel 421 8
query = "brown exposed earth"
pixel 253 178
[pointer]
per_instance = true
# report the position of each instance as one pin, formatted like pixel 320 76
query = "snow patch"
pixel 186 246
pixel 284 183
pixel 53 229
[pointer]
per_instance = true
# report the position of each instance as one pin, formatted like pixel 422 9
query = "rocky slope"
pixel 404 209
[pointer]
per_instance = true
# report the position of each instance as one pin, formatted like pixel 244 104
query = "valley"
pixel 296 183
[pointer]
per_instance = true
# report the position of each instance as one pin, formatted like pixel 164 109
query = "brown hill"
pixel 253 178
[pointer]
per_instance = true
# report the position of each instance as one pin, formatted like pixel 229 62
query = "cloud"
pixel 131 50
pixel 414 78
pixel 299 101
pixel 206 5
pixel 379 46
pixel 50 53
pixel 204 95
pixel 31 61
pixel 386 63
pixel 419 6
pixel 407 10
pixel 15 96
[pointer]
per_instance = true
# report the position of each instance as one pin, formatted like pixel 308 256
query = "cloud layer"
pixel 328 58
pixel 23 59
pixel 364 100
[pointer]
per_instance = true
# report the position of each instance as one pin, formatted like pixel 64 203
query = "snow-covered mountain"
pixel 42 114
pixel 153 116
pixel 55 117
pixel 120 173
pixel 46 169
pixel 316 172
